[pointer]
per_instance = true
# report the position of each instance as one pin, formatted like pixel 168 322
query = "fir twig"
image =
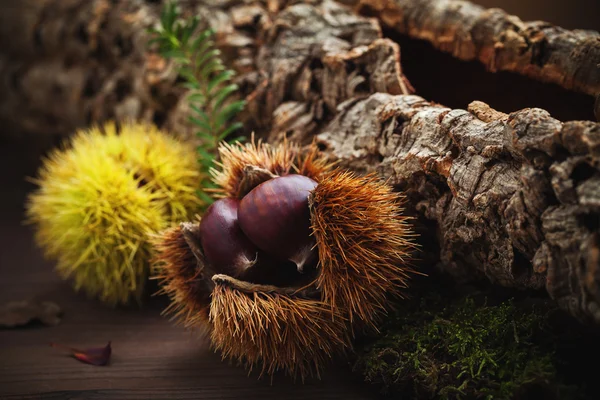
pixel 209 81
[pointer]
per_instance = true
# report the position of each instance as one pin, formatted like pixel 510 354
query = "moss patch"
pixel 455 347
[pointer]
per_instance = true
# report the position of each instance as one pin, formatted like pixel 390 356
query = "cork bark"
pixel 312 59
pixel 500 41
pixel 513 198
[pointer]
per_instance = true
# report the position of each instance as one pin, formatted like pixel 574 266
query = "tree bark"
pixel 72 63
pixel 513 199
pixel 500 41
pixel 314 57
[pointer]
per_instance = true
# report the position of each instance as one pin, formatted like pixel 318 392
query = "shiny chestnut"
pixel 275 216
pixel 225 246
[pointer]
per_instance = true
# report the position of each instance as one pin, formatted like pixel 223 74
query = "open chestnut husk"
pixel 335 246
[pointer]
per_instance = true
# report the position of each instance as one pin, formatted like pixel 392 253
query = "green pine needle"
pixel 208 80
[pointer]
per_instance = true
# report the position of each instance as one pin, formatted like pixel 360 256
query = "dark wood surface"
pixel 152 357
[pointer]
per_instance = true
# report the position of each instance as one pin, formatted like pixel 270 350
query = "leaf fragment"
pixel 95 355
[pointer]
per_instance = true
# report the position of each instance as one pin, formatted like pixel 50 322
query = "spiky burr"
pixel 306 309
pixel 102 195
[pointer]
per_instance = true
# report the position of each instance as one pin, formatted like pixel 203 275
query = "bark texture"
pixel 59 76
pixel 502 42
pixel 516 198
pixel 314 56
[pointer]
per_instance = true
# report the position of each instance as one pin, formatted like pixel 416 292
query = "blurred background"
pixel 576 14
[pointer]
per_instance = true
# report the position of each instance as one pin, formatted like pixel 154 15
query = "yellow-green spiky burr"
pixel 101 197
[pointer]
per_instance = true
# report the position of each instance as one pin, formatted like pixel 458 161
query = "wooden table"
pixel 152 357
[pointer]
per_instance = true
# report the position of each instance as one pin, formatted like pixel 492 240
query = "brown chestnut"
pixel 364 251
pixel 276 218
pixel 225 246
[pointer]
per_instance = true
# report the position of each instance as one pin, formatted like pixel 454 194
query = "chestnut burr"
pixel 333 248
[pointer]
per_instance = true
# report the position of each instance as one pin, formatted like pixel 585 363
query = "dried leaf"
pixel 94 355
pixel 20 313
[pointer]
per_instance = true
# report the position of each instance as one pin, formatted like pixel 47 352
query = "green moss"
pixel 464 349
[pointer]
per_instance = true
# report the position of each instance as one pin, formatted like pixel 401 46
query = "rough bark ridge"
pixel 502 42
pixel 58 77
pixel 315 56
pixel 516 197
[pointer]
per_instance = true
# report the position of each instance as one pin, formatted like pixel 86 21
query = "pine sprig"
pixel 209 81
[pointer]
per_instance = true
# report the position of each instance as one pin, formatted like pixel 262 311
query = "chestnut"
pixel 225 246
pixel 276 218
pixel 333 248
